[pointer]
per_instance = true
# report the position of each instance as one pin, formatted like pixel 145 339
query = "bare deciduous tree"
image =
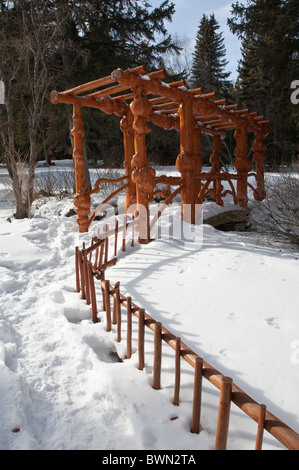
pixel 29 41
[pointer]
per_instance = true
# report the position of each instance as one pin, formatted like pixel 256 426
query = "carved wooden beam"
pixel 201 104
pixel 107 104
pixel 152 85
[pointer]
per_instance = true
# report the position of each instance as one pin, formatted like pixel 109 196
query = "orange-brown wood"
pixel 242 163
pixel 260 429
pixel 259 147
pixel 177 382
pixel 265 419
pixel 139 99
pixel 142 175
pixel 141 325
pixel 93 299
pixel 85 276
pixel 186 162
pixel 81 198
pixel 223 413
pixel 126 125
pixel 129 327
pixel 157 356
pixel 106 290
pixel 118 311
pixel 216 169
pixel 197 390
pixel 77 261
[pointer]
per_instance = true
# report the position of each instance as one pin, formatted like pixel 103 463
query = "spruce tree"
pixel 268 30
pixel 209 63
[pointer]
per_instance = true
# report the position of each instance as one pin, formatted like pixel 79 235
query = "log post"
pixel 177 382
pixel 126 126
pixel 77 254
pixel 242 163
pixel 103 289
pixel 186 163
pixel 124 240
pixel 142 174
pixel 260 429
pixel 141 327
pixel 195 426
pixel 129 327
pixel 216 169
pixel 81 270
pixel 85 271
pixel 197 155
pixel 118 311
pixel 115 238
pixel 106 287
pixel 93 299
pixel 223 413
pixel 81 198
pixel 106 250
pixel 157 356
pixel 259 147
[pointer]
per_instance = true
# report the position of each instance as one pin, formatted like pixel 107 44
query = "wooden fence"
pixel 91 264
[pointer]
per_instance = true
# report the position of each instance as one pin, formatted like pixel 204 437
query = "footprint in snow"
pixel 280 324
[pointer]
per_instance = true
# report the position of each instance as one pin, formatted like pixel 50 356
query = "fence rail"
pixel 91 263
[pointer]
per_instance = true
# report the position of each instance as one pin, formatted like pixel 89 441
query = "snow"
pixel 231 297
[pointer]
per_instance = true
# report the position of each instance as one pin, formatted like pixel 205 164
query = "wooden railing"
pixel 91 263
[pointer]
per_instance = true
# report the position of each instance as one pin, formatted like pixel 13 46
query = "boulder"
pixel 227 220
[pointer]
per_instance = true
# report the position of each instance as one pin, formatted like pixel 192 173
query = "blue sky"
pixel 187 18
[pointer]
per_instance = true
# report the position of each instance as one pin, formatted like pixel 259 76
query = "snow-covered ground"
pixel 232 297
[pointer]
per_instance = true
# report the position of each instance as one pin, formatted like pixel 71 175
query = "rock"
pixel 235 220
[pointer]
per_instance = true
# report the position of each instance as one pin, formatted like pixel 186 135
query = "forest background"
pixel 58 44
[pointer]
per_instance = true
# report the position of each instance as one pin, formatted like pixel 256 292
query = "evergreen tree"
pixel 269 31
pixel 105 35
pixel 208 69
pixel 48 44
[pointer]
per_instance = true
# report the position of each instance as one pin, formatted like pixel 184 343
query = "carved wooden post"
pixel 216 169
pixel 81 198
pixel 142 174
pixel 197 156
pixel 186 162
pixel 242 164
pixel 259 146
pixel 126 125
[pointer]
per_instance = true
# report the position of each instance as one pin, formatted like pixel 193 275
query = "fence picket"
pixel 157 356
pixel 129 327
pixel 106 286
pixel 118 311
pixel 260 429
pixel 77 269
pixel 106 244
pixel 124 234
pixel 141 325
pixel 177 379
pixel 85 270
pixel 84 275
pixel 223 413
pixel 116 237
pixel 195 426
pixel 92 293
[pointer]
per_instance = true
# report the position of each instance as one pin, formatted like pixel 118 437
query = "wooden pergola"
pixel 138 98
